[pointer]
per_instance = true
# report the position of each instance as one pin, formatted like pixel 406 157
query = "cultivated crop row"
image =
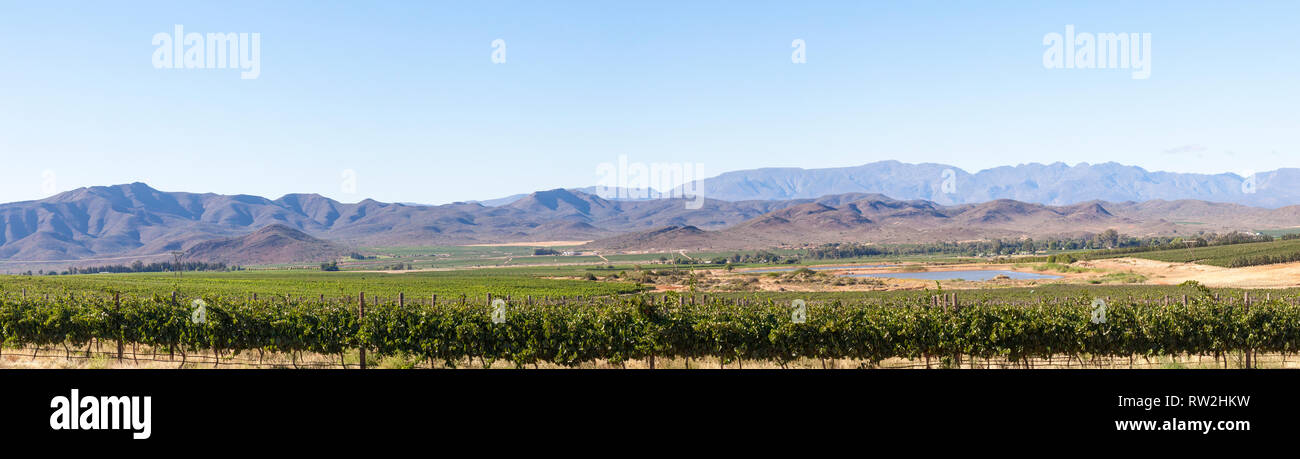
pixel 617 330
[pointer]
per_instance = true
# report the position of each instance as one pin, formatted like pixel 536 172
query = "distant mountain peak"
pixel 1054 184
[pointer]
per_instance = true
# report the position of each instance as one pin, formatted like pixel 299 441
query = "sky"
pixel 403 102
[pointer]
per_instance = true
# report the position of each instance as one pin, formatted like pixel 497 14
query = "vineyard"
pixel 460 330
pixel 1230 256
pixel 502 281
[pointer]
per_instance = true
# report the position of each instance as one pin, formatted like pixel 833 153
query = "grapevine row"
pixel 638 327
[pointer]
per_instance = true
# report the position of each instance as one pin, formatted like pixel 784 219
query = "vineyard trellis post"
pixel 361 316
pixel 121 330
pixel 1245 301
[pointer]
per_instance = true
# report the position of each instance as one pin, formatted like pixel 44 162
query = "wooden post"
pixel 117 310
pixel 433 299
pixel 361 315
pixel 1246 302
pixel 401 298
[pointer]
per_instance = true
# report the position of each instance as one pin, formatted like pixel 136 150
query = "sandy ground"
pixel 1164 273
pixel 1157 273
pixel 768 283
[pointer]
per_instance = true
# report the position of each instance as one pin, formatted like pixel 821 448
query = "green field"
pixel 1280 232
pixel 314 283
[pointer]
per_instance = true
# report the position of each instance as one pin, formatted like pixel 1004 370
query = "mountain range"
pixel 781 207
pixel 137 220
pixel 858 217
pixel 1054 184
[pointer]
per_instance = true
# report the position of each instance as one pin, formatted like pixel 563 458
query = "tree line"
pixel 1109 242
pixel 141 267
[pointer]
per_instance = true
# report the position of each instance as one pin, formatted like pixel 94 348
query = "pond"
pixel 970 275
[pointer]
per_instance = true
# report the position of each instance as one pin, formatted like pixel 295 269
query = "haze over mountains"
pixel 111 223
pixel 876 218
pixel 1052 184
pixel 1055 184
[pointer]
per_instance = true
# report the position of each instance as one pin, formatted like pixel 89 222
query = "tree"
pixel 1108 239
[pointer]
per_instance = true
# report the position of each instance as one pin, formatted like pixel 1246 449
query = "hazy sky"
pixel 406 93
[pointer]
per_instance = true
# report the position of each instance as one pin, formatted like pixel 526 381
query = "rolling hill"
pixel 269 245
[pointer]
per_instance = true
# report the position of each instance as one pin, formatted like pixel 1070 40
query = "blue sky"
pixel 407 96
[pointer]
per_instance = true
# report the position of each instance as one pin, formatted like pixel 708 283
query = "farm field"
pixel 621 313
pixel 1224 256
pixel 315 283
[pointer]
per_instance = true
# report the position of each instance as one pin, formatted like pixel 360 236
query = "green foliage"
pixel 313 283
pixel 637 327
pixel 1232 255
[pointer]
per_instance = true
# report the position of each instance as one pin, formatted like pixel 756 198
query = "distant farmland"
pixel 1225 255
